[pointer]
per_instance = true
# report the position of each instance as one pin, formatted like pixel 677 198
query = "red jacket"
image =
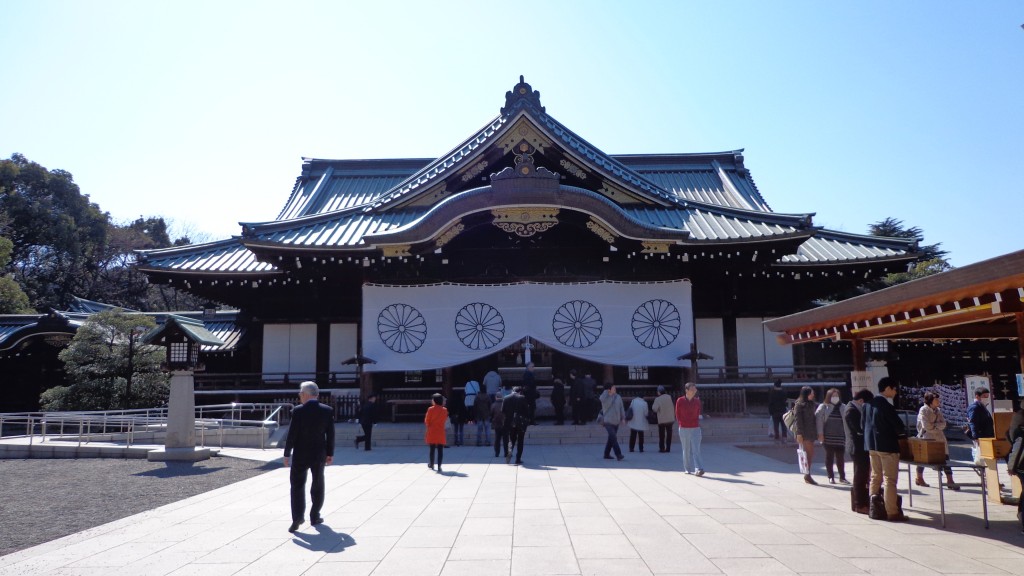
pixel 688 412
pixel 436 434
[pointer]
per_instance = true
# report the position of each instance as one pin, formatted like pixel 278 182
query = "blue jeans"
pixel 689 438
pixel 613 441
pixel 483 433
pixel 457 428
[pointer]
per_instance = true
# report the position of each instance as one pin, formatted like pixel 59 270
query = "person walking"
pixel 614 415
pixel 576 397
pixel 517 419
pixel 367 418
pixel 666 412
pixel 806 428
pixel 979 421
pixel 829 420
pixel 1014 432
pixel 638 422
pixel 498 425
pixel 482 417
pixel 435 435
pixel 309 447
pixel 882 430
pixel 688 415
pixel 776 408
pixel 558 400
pixel 930 426
pixel 853 424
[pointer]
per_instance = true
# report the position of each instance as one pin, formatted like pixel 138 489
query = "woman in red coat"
pixel 436 437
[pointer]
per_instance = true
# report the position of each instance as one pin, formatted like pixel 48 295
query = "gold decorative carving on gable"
pixel 524 131
pixel 573 169
pixel 525 222
pixel 452 231
pixel 396 250
pixel 474 171
pixel 600 229
pixel 655 248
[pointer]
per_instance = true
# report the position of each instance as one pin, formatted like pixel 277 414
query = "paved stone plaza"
pixel 566 511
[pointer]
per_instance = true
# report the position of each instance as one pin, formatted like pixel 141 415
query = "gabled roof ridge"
pixel 252 228
pixel 187 248
pixel 891 241
pixel 805 218
pixel 443 162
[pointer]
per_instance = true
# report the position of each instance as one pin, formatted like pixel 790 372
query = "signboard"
pixel 861 380
pixel 975 382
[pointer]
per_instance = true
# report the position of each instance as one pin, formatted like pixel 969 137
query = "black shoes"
pixel 700 472
pixel 809 480
pixel 607 457
pixel 316 520
pixel 619 457
pixel 295 526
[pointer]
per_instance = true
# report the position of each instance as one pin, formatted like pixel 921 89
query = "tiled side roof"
pixel 336 230
pixel 216 257
pixel 329 185
pixel 831 247
pixel 705 223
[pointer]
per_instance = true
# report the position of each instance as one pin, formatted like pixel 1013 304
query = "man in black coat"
pixel 558 401
pixel 576 398
pixel 776 408
pixel 530 391
pixel 517 418
pixel 310 446
pixel 882 432
pixel 853 425
pixel 367 418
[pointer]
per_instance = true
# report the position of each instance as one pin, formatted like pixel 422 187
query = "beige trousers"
pixel 885 465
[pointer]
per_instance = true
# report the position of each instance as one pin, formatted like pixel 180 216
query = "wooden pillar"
pixel 1018 319
pixel 857 348
pixel 608 375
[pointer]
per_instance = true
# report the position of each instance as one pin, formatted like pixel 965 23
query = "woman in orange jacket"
pixel 436 437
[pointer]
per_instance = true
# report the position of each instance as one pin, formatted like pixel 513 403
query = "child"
pixel 435 434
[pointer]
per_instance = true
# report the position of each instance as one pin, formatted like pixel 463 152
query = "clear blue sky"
pixel 202 111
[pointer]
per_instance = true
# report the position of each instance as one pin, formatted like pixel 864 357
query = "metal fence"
pixel 212 422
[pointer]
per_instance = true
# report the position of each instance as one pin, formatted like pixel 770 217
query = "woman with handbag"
pixel 807 428
pixel 930 426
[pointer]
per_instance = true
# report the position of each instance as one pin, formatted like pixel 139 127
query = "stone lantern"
pixel 182 338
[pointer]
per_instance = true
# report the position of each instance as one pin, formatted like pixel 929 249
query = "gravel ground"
pixel 42 500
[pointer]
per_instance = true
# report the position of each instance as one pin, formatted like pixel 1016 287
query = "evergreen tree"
pixel 109 367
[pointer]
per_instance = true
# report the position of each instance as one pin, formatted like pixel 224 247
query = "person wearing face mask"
pixel 829 419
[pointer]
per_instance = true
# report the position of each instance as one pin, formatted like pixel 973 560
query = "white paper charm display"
pixel 438 325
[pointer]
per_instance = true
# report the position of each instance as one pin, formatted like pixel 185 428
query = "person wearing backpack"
pixel 853 426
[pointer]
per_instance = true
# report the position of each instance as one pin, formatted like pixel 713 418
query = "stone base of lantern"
pixel 179 454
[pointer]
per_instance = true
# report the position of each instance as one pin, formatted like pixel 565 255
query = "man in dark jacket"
pixel 979 419
pixel 558 401
pixel 311 438
pixel 517 418
pixel 529 391
pixel 576 397
pixel 853 426
pixel 591 405
pixel 367 418
pixel 882 431
pixel 776 408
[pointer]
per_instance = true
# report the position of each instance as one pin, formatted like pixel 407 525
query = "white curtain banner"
pixel 439 325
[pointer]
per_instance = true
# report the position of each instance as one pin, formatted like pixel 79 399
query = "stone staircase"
pixel 716 430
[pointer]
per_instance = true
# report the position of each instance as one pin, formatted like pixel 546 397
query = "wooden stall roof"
pixel 978 301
